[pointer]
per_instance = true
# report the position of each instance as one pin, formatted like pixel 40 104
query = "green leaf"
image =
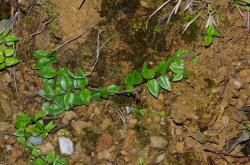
pixel 43 62
pixel 216 34
pixel 178 77
pixel 59 100
pixel 10 38
pixel 177 68
pixel 11 61
pixel 49 91
pixel 164 82
pixel 95 95
pixel 2 66
pixel 113 89
pixel 39 115
pixel 75 98
pixel 79 74
pixel 104 93
pixel 134 78
pixel 211 30
pixel 181 52
pixel 50 157
pixel 5 32
pixel 66 100
pixel 67 83
pixel 162 68
pixel 21 140
pixel 52 109
pixel 9 52
pixel 60 161
pixel 36 152
pixel 47 72
pixel 49 127
pixel 153 87
pixel 208 40
pixel 130 88
pixel 82 83
pixel 41 54
pixel 85 96
pixel 2 58
pixel 39 161
pixel 148 73
pixel 22 121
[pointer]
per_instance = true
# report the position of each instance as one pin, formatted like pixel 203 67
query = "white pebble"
pixel 66 146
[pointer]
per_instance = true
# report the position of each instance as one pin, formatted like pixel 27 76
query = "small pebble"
pixel 237 84
pixel 8 147
pixel 158 142
pixel 36 140
pixel 128 109
pixel 66 146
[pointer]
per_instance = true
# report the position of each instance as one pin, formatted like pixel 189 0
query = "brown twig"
pixel 44 24
pixel 69 41
pixel 98 50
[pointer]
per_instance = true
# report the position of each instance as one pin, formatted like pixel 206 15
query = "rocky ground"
pixel 193 124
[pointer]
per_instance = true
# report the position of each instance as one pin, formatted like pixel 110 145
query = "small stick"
pixel 44 24
pixel 69 41
pixel 156 11
pixel 189 23
pixel 98 50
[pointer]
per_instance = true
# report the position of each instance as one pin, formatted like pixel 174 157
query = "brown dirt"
pixel 201 112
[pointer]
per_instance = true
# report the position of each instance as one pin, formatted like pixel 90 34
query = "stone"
pixel 160 158
pixel 36 140
pixel 158 142
pixel 236 84
pixel 46 148
pixel 8 147
pixel 66 146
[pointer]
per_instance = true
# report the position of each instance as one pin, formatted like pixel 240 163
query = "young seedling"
pixel 211 30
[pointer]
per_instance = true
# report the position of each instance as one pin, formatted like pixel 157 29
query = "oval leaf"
pixel 113 89
pixel 148 73
pixel 48 72
pixel 85 95
pixel 11 61
pixel 9 52
pixel 164 82
pixel 153 87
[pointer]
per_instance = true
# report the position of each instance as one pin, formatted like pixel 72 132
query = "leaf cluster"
pixel 64 89
pixel 7 51
pixel 157 77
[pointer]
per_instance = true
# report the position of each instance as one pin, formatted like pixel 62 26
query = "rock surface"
pixel 66 146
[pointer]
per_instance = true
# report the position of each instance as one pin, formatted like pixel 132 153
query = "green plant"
pixel 211 33
pixel 7 51
pixel 157 78
pixel 141 161
pixel 64 89
pixel 211 30
pixel 28 126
